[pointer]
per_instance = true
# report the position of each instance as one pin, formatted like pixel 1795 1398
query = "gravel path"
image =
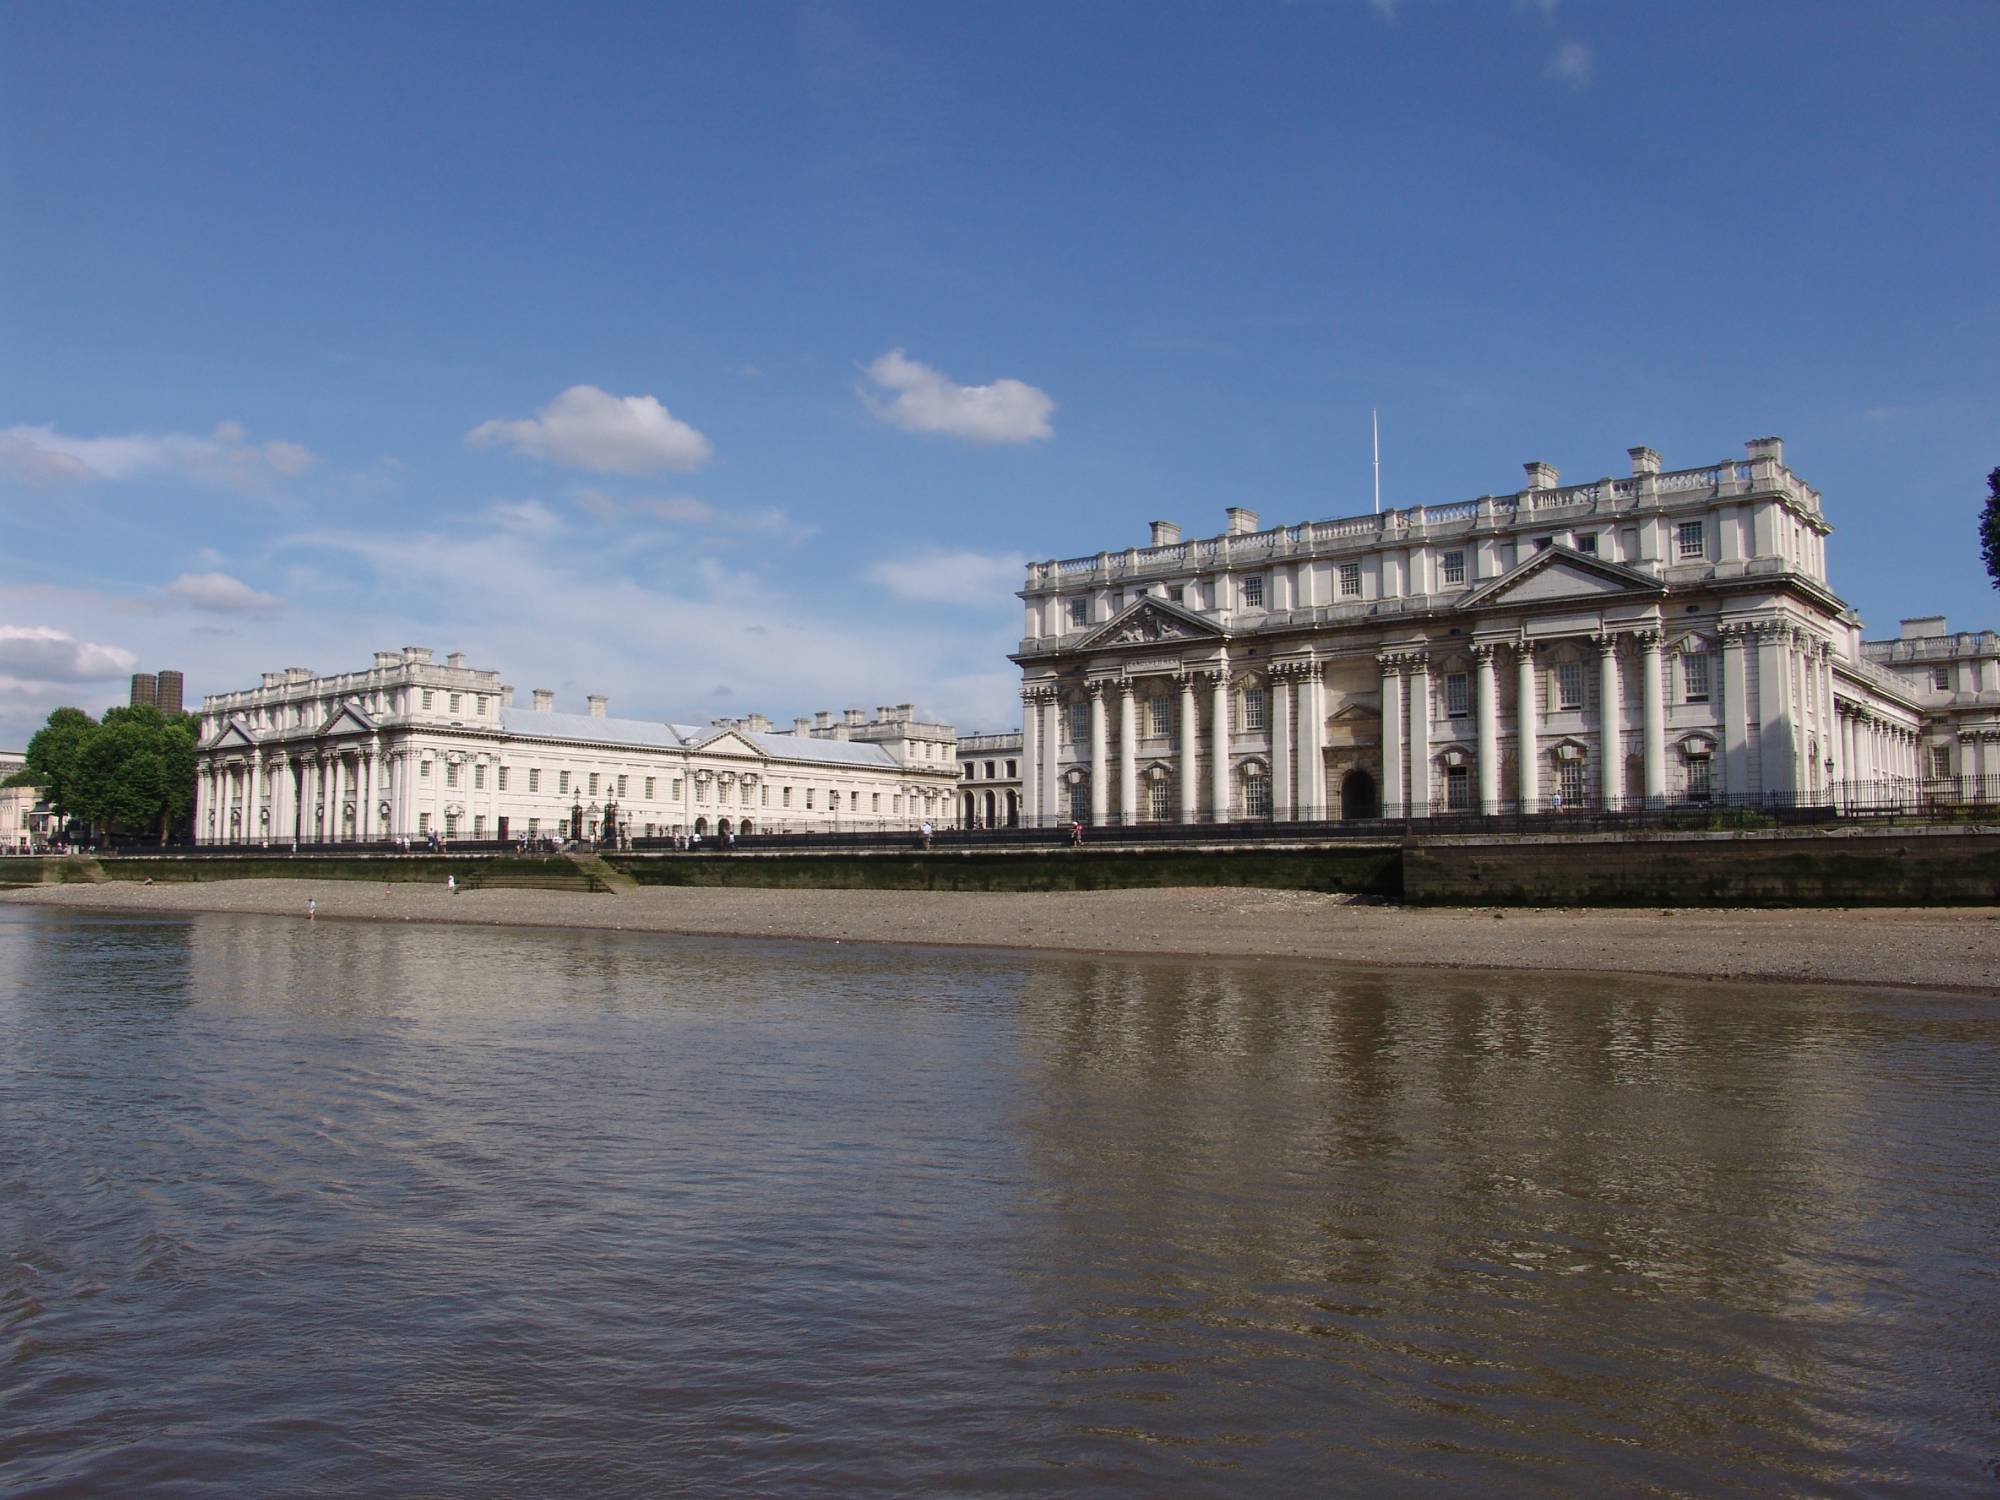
pixel 1949 948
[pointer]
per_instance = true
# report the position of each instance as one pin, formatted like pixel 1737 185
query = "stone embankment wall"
pixel 1888 867
pixel 1372 869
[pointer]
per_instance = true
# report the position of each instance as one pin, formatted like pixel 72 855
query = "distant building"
pixel 411 747
pixel 161 690
pixel 1955 679
pixel 989 779
pixel 24 817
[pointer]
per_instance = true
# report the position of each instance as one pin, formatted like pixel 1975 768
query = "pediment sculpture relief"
pixel 1149 625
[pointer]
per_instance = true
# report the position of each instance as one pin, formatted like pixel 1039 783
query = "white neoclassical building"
pixel 1662 636
pixel 411 747
pixel 989 794
pixel 1953 678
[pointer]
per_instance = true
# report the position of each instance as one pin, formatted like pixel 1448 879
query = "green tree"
pixel 1989 528
pixel 52 757
pixel 136 770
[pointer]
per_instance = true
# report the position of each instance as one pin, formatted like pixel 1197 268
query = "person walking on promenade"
pixel 1076 833
pixel 924 832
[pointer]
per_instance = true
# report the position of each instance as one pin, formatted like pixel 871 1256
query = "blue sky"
pixel 734 357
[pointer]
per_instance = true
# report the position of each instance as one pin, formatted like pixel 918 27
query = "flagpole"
pixel 1375 425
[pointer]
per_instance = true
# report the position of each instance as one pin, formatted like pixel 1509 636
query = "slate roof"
pixel 543 724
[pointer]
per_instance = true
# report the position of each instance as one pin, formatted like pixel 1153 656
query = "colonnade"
pixel 1882 759
pixel 303 795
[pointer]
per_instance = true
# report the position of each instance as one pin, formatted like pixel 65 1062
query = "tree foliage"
pixel 1989 528
pixel 135 770
pixel 52 757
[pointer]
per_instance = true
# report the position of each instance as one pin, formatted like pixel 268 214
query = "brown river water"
pixel 353 1209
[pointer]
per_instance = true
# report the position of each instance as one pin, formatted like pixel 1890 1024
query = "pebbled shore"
pixel 1953 948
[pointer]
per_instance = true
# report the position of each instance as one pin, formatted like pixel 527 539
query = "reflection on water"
pixel 351 1208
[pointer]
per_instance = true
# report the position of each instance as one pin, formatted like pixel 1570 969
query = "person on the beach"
pixel 451 885
pixel 312 908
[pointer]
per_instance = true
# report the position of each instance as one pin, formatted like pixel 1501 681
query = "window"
pixel 989 770
pixel 479 778
pixel 451 773
pixel 1586 543
pixel 1159 800
pixel 1941 679
pixel 833 802
pixel 1940 760
pixel 1011 772
pixel 423 822
pixel 1454 567
pixel 896 804
pixel 1256 793
pixel 809 799
pixel 479 825
pixel 744 799
pixel 1700 780
pixel 534 778
pixel 1178 593
pixel 451 825
pixel 1543 543
pixel 874 801
pixel 1077 722
pixel 502 772
pixel 1694 676
pixel 1457 788
pixel 454 703
pixel 1350 580
pixel 593 783
pixel 1689 539
pixel 1253 593
pixel 621 788
pixel 1569 685
pixel 423 770
pixel 1160 711
pixel 562 784
pixel 427 697
pixel 700 790
pixel 1569 777
pixel 1079 612
pixel 1457 695
pixel 1253 708
pixel 649 788
pixel 534 828
pixel 764 795
pixel 677 789
pixel 785 797
pixel 1079 802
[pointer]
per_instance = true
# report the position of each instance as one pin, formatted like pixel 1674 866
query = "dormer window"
pixel 1586 543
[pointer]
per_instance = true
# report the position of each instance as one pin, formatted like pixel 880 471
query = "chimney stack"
pixel 598 704
pixel 1541 476
pixel 856 718
pixel 1766 447
pixel 1644 461
pixel 1165 533
pixel 823 719
pixel 1242 521
pixel 456 659
pixel 802 727
pixel 545 700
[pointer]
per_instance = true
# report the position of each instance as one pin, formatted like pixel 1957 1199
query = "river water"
pixel 352 1209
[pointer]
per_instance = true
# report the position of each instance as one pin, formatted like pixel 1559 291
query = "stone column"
pixel 1420 735
pixel 1053 809
pixel 1653 697
pixel 1526 724
pixel 1735 714
pixel 1775 743
pixel 1218 745
pixel 1099 770
pixel 1395 801
pixel 1312 764
pixel 1611 749
pixel 1031 766
pixel 252 825
pixel 364 820
pixel 1128 755
pixel 1190 783
pixel 1488 709
pixel 1281 746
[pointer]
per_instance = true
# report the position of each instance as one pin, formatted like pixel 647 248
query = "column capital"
pixel 1483 652
pixel 1733 632
pixel 1391 663
pixel 1606 642
pixel 1187 680
pixel 1095 687
pixel 1648 638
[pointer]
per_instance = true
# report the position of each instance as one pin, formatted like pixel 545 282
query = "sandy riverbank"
pixel 1949 948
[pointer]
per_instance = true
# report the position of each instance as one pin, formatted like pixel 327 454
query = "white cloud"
pixel 922 399
pixel 525 518
pixel 1572 64
pixel 42 455
pixel 585 428
pixel 676 508
pixel 975 579
pixel 41 653
pixel 218 591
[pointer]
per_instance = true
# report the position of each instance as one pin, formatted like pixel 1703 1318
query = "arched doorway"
pixel 1013 810
pixel 700 826
pixel 990 811
pixel 1357 796
pixel 722 827
pixel 971 809
pixel 746 827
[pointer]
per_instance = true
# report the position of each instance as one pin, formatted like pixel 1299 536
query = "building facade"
pixel 412 747
pixel 989 767
pixel 1954 680
pixel 161 690
pixel 1663 636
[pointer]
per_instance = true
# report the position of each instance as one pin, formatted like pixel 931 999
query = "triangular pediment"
pixel 234 735
pixel 348 719
pixel 1151 622
pixel 1561 573
pixel 1353 711
pixel 728 742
